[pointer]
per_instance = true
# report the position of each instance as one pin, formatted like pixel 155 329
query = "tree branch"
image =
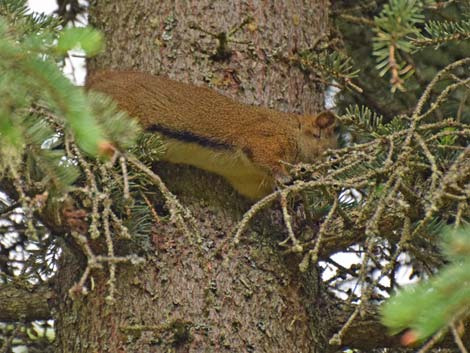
pixel 20 303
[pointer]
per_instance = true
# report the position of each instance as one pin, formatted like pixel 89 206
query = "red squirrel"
pixel 200 127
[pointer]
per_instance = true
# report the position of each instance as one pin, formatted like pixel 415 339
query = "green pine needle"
pixel 432 305
pixel 87 39
pixel 440 32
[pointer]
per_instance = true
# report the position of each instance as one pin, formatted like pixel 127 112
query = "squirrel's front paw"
pixel 282 177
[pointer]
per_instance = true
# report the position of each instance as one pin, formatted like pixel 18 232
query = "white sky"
pixel 46 6
pixel 74 67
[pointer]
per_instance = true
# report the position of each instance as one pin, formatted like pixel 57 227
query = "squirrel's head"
pixel 318 133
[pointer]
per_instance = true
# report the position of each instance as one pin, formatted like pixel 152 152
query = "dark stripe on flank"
pixel 189 137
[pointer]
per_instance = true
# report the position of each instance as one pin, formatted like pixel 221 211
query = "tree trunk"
pixel 208 297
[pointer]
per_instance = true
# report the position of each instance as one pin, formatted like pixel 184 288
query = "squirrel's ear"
pixel 325 119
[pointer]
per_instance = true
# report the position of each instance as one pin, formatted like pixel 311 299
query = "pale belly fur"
pixel 247 178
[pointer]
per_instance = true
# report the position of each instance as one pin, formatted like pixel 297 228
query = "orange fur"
pixel 260 138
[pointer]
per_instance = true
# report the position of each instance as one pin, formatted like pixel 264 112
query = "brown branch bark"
pixel 23 303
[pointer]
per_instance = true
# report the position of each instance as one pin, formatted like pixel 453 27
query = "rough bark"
pixel 24 303
pixel 209 297
pixel 197 298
